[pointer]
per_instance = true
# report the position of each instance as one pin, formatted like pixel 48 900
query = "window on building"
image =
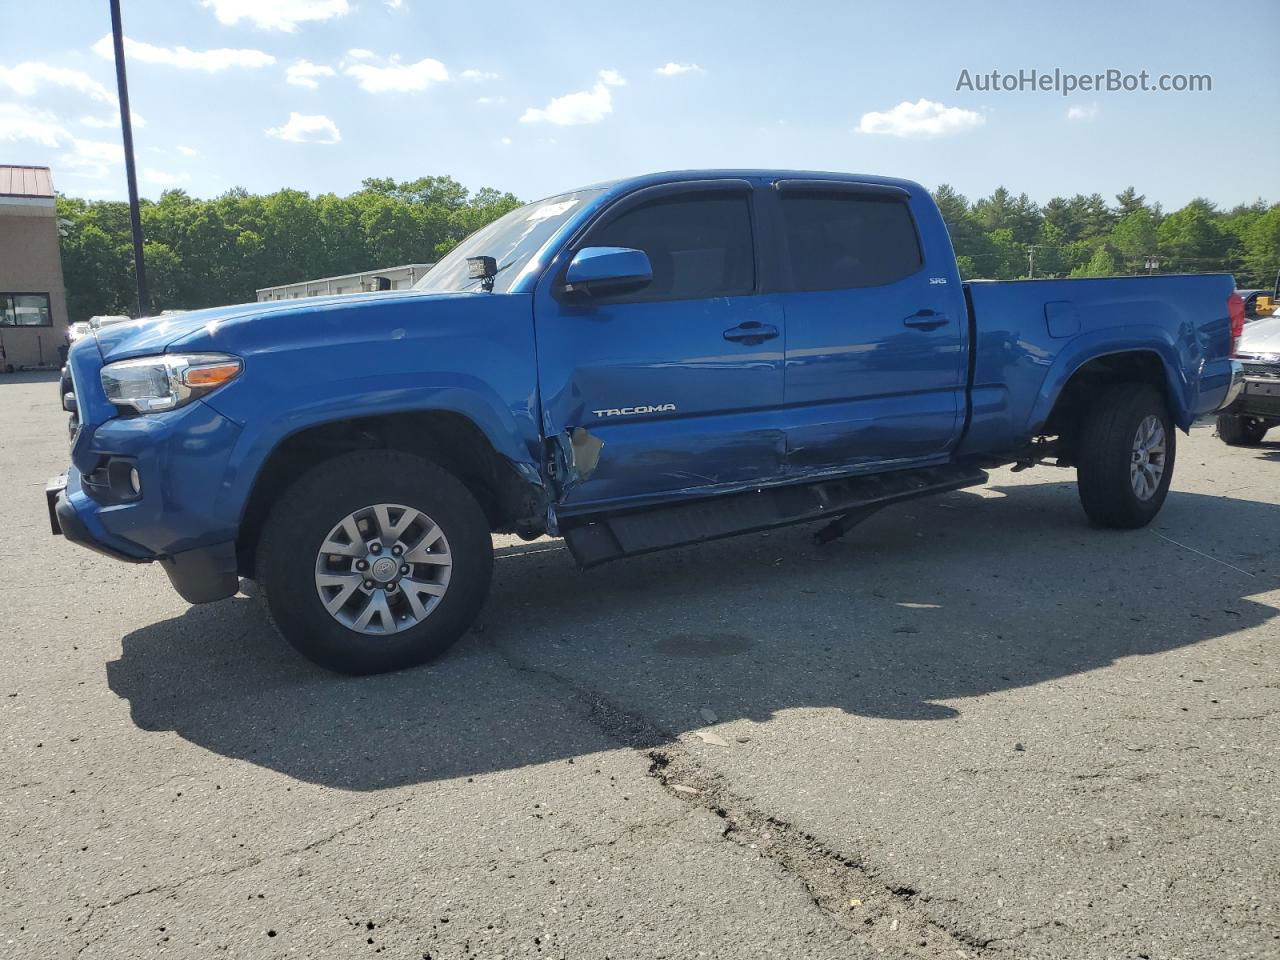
pixel 25 310
pixel 840 240
pixel 698 245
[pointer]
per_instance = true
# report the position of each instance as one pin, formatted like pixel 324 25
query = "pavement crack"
pixel 172 886
pixel 635 830
pixel 870 906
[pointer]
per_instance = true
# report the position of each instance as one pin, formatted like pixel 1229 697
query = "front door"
pixel 667 390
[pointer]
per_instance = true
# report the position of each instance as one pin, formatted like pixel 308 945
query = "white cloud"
pixel 479 75
pixel 112 122
pixel 27 78
pixel 88 158
pixel 924 118
pixel 307 128
pixel 276 14
pixel 187 151
pixel 392 76
pixel 585 106
pixel 505 141
pixel 490 101
pixel 21 123
pixel 395 4
pixel 359 53
pixel 210 61
pixel 675 69
pixel 303 73
pixel 1086 112
pixel 162 179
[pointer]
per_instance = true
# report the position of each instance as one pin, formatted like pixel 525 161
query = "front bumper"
pixel 1252 395
pixel 200 575
pixel 175 511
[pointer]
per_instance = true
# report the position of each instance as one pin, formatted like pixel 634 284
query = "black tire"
pixel 1241 431
pixel 1106 453
pixel 308 510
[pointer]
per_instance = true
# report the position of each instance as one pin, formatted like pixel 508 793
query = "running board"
pixel 606 537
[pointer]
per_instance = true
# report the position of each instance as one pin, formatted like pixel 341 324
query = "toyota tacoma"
pixel 637 365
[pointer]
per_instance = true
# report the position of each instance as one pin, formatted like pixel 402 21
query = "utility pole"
pixel 1031 262
pixel 126 128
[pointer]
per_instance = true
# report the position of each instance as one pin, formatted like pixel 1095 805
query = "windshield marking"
pixel 552 210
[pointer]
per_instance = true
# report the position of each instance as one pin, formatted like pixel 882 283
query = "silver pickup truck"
pixel 1256 408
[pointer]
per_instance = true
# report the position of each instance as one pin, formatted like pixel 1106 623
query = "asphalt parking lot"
pixel 974 728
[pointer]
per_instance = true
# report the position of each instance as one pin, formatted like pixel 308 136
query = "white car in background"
pixel 1257 409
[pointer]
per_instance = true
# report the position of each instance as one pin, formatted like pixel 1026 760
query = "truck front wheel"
pixel 1126 456
pixel 1241 431
pixel 375 561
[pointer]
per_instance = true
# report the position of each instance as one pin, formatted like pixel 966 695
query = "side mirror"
pixel 607 269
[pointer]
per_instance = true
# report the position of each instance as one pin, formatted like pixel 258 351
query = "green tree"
pixel 1134 238
pixel 1101 264
pixel 1191 240
pixel 1262 249
pixel 1003 211
pixel 1129 201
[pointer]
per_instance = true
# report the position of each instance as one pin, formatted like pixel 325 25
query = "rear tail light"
pixel 1235 310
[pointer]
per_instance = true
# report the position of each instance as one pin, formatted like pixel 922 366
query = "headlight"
pixel 166 382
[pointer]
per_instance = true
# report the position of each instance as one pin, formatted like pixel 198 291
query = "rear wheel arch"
pixel 1089 380
pixel 510 498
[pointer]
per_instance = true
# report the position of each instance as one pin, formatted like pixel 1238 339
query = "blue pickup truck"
pixel 637 365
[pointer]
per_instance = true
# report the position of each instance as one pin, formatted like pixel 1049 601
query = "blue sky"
pixel 538 98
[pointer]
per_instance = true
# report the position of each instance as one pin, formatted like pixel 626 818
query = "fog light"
pixel 135 481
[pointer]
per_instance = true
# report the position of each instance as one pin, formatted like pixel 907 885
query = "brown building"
pixel 33 301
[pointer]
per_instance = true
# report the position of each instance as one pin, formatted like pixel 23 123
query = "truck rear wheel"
pixel 1126 455
pixel 375 561
pixel 1241 431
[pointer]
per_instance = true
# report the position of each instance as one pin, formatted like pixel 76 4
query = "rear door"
pixel 875 360
pixel 665 391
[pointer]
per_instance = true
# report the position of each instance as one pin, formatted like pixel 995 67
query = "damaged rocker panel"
pixel 601 538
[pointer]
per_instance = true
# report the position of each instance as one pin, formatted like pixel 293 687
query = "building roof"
pixel 25 182
pixel 359 275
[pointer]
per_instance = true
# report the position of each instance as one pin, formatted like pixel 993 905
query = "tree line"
pixel 1007 237
pixel 203 253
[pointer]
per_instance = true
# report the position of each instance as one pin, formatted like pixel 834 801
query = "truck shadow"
pixel 925 605
pixel 1268 449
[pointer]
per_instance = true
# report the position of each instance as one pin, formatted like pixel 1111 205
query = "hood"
pixel 1261 337
pixel 151 335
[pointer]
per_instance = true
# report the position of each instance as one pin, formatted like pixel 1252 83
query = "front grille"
pixel 1261 370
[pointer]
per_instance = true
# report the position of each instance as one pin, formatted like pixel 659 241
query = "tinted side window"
pixel 835 241
pixel 699 245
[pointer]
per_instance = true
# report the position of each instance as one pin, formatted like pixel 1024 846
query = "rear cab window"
pixel 836 239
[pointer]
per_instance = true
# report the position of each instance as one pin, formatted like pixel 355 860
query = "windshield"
pixel 511 240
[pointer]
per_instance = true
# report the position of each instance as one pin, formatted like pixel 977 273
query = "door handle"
pixel 926 320
pixel 751 333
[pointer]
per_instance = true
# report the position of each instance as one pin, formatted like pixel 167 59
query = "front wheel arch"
pixel 511 495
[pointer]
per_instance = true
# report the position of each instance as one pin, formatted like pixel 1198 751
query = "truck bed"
pixel 1030 336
